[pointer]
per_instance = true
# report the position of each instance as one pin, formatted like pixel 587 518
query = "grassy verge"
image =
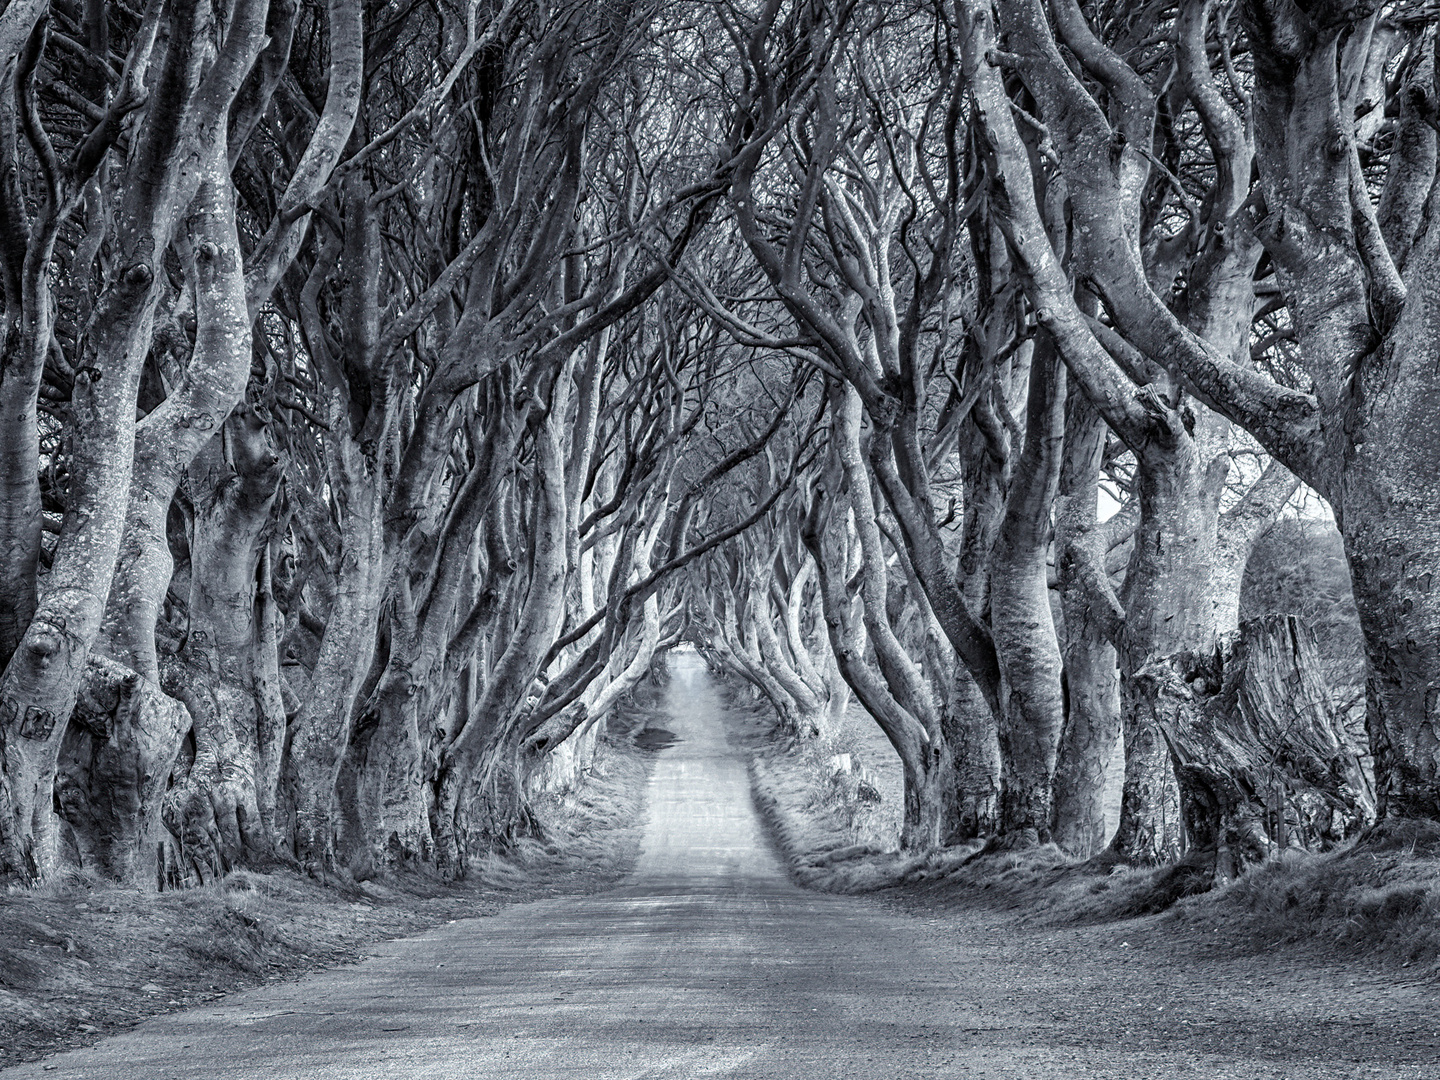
pixel 1377 899
pixel 829 807
pixel 80 958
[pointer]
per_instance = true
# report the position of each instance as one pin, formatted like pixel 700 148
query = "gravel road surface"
pixel 708 962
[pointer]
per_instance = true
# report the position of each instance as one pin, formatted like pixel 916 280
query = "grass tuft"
pixel 1380 897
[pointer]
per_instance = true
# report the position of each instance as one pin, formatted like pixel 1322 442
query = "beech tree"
pixel 167 111
pixel 1294 89
pixel 384 389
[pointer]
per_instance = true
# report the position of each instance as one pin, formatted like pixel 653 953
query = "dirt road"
pixel 709 963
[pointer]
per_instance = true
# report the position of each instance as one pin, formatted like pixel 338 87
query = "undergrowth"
pixel 827 809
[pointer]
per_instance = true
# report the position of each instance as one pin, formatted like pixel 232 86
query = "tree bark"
pixel 1020 616
pixel 114 770
pixel 889 688
pixel 1169 608
pixel 1092 621
pixel 483 764
pixel 223 671
pixel 321 730
pixel 1262 760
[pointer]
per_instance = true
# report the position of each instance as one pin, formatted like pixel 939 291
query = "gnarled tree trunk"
pixel 1262 761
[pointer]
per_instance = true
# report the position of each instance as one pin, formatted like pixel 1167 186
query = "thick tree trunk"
pixel 1169 608
pixel 115 765
pixel 453 791
pixel 42 681
pixel 320 732
pixel 1389 515
pixel 388 776
pixel 1020 617
pixel 973 737
pixel 166 442
pixel 1092 679
pixel 930 804
pixel 226 672
pixel 1392 542
pixel 1089 743
pixel 24 345
pixel 1150 830
pixel 384 771
pixel 1367 337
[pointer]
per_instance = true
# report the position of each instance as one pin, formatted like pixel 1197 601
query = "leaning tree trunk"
pixel 739 646
pixel 832 696
pixel 1241 527
pixel 931 810
pixel 487 749
pixel 807 704
pixel 167 441
pixel 42 681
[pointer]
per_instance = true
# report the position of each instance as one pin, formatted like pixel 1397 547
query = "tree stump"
pixel 1261 757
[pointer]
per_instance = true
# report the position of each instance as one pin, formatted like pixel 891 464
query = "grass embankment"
pixel 1377 898
pixel 80 958
pixel 832 805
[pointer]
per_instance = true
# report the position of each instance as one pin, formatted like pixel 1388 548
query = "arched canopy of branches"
pixel 384 387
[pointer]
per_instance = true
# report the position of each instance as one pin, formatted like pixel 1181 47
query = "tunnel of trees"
pixel 385 385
